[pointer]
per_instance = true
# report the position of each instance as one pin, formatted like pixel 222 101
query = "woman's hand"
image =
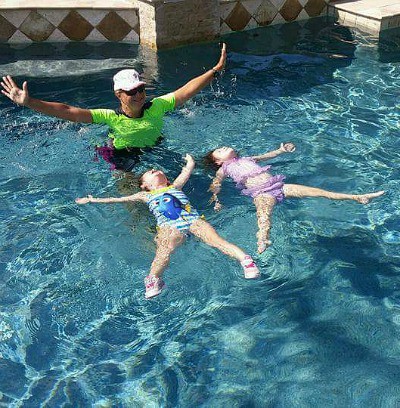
pixel 221 63
pixel 84 200
pixel 11 90
pixel 287 147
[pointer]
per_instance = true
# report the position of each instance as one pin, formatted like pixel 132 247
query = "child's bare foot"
pixel 366 198
pixel 262 245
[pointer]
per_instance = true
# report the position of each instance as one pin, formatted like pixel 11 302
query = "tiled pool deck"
pixel 372 16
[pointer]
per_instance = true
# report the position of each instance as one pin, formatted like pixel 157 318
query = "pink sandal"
pixel 250 268
pixel 154 286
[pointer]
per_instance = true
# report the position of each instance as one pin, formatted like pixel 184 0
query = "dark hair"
pixel 209 161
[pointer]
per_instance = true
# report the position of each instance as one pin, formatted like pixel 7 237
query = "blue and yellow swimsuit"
pixel 171 207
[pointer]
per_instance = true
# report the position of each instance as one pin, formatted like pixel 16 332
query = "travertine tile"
pixel 6 29
pixel 75 27
pixel 252 24
pixel 132 38
pixel 302 16
pixel 278 19
pixel 251 5
pixel 290 10
pixel 226 9
pixel 19 37
pixel 130 16
pixel 314 8
pixel 238 18
pixel 57 36
pixel 114 27
pixel 36 27
pixel 265 13
pixel 95 36
pixel 93 16
pixel 53 16
pixel 15 17
pixel 278 3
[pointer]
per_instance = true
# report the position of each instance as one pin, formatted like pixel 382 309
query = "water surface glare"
pixel 320 328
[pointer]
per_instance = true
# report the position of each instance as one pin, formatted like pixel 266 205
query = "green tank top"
pixel 136 132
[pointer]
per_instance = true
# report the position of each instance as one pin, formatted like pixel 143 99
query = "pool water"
pixel 320 328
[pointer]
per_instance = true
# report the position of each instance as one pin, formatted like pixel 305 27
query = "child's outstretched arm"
pixel 186 171
pixel 215 188
pixel 284 148
pixel 140 196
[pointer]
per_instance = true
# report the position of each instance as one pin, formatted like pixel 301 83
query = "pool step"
pixel 372 16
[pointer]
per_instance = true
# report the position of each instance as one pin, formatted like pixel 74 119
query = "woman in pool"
pixel 265 189
pixel 136 124
pixel 175 218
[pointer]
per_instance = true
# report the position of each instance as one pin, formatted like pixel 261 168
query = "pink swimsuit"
pixel 242 168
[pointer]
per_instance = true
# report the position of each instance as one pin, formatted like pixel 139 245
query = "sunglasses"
pixel 134 91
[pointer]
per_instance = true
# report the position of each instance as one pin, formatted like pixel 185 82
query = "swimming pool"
pixel 320 328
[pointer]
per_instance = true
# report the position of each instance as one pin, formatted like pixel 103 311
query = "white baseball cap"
pixel 126 80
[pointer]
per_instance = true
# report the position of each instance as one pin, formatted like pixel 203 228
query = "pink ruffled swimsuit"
pixel 242 168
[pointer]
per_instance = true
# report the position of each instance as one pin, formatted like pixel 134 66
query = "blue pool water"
pixel 320 328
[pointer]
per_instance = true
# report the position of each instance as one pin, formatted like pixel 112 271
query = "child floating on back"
pixel 175 218
pixel 265 189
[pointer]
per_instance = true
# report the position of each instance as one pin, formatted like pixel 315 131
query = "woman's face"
pixel 153 179
pixel 134 98
pixel 223 154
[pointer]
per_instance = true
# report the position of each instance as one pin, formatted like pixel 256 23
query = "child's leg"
pixel 264 204
pixel 203 230
pixel 298 190
pixel 206 232
pixel 167 240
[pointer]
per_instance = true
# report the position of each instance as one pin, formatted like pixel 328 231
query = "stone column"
pixel 169 23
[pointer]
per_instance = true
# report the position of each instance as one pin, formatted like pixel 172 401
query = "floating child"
pixel 265 189
pixel 175 218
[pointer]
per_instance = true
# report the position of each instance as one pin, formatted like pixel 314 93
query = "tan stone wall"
pixel 163 23
pixel 168 24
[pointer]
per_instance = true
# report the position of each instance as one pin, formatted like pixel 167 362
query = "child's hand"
pixel 189 160
pixel 217 206
pixel 84 200
pixel 287 147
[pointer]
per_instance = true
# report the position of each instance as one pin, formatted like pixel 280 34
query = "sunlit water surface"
pixel 320 328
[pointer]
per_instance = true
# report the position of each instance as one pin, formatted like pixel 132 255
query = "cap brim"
pixel 126 88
